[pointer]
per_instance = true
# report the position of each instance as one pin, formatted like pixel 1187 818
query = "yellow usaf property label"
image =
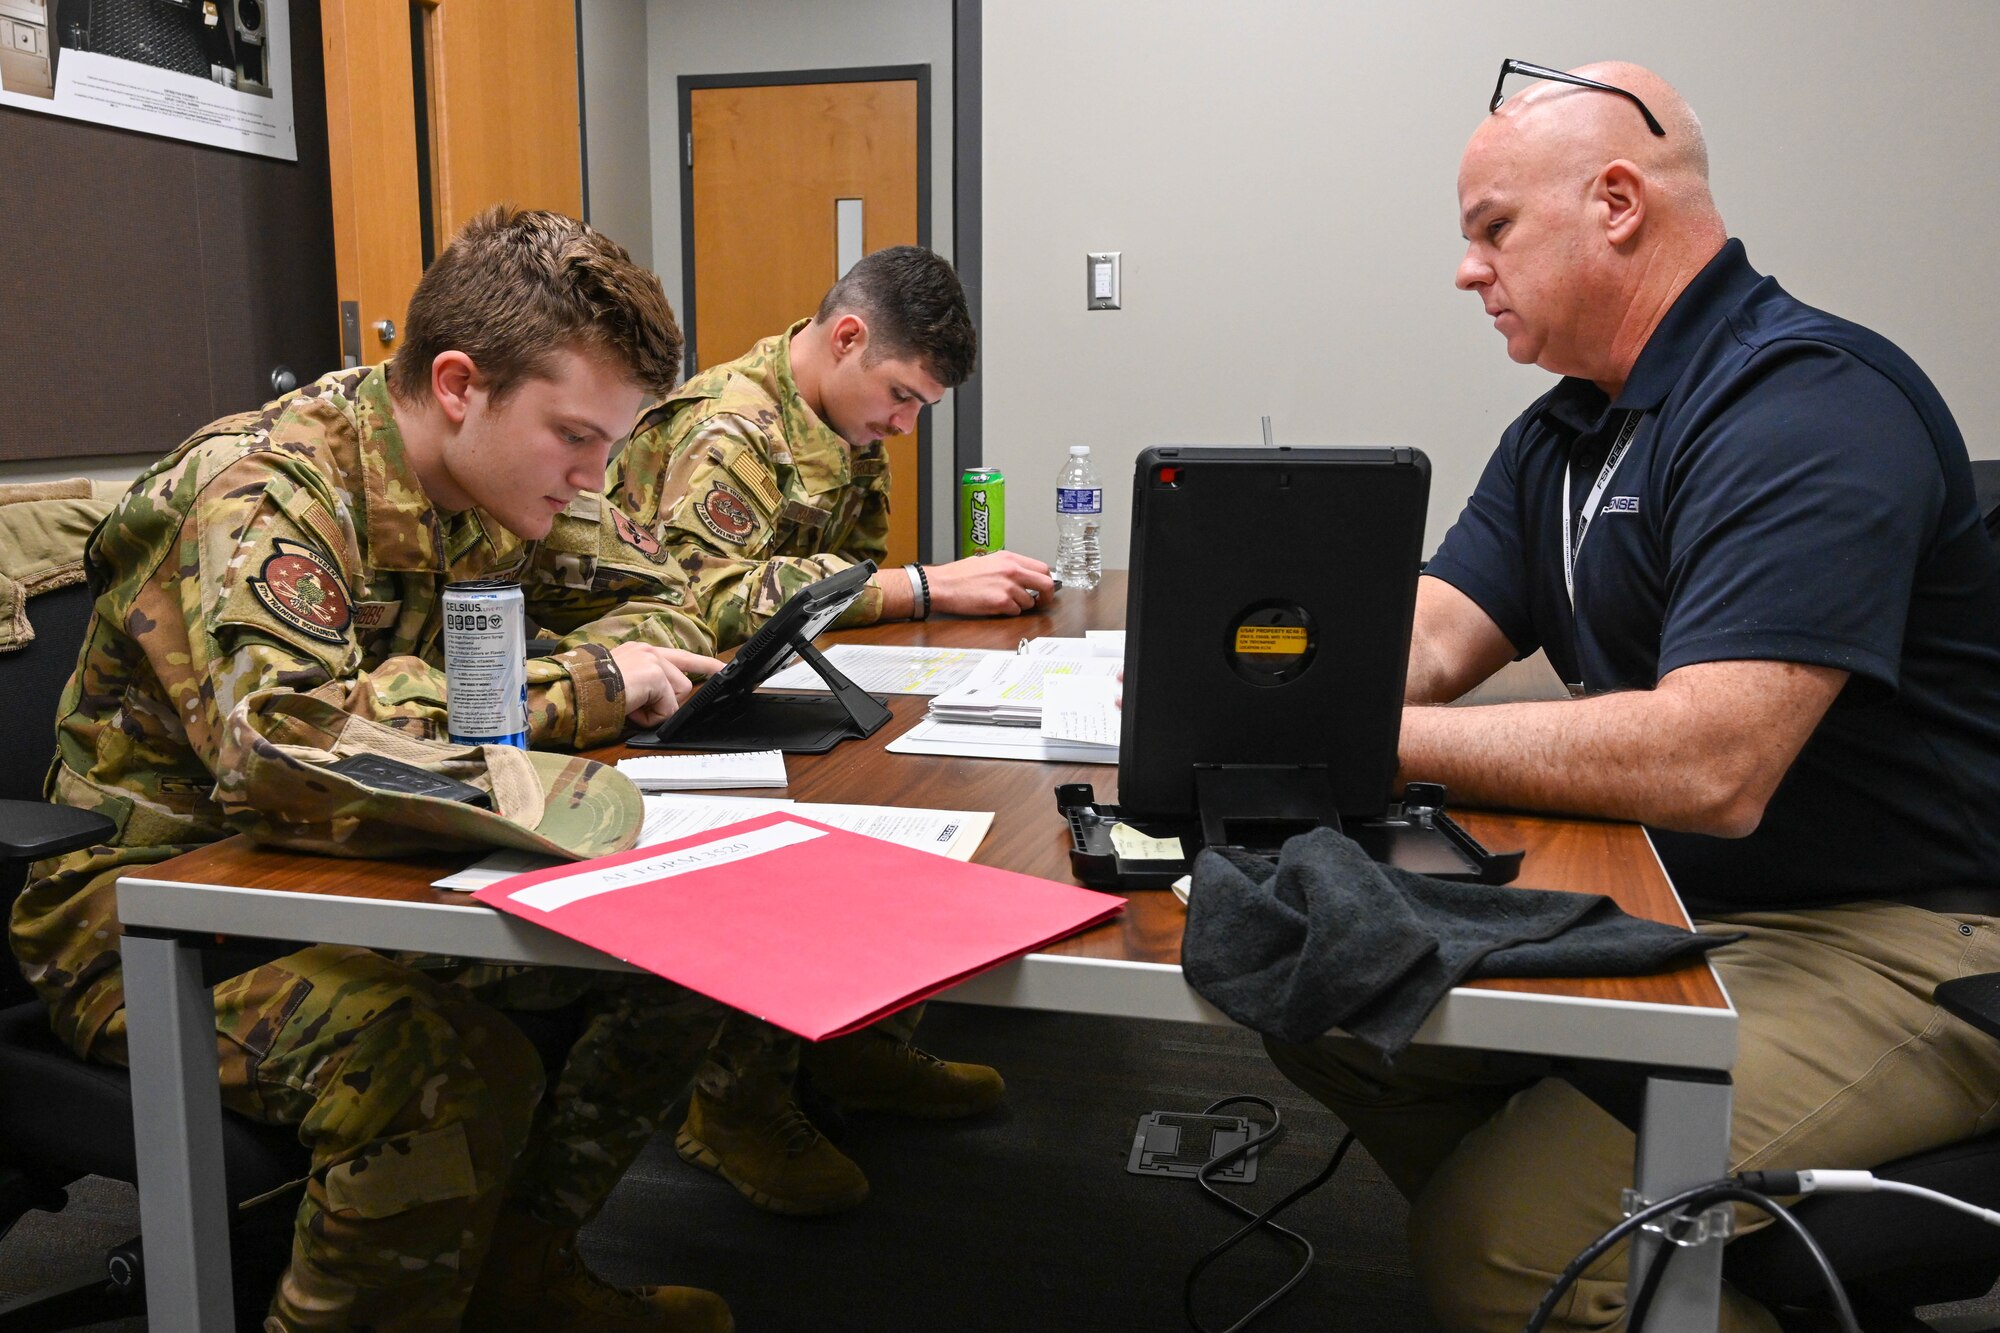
pixel 1273 639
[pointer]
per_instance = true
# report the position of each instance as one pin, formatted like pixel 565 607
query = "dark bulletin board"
pixel 149 286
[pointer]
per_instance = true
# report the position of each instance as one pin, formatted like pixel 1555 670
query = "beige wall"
pixel 1282 187
pixel 1280 177
pixel 617 135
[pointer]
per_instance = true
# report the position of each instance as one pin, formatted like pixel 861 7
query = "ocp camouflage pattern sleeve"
pixel 868 538
pixel 713 501
pixel 258 595
pixel 597 581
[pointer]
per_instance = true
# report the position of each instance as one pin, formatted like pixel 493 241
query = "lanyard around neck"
pixel 1572 547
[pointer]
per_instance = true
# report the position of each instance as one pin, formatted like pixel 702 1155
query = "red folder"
pixel 815 929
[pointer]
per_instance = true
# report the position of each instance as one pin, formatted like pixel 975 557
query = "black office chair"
pixel 62 1119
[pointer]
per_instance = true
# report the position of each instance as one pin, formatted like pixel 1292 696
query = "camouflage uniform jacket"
pixel 43 526
pixel 752 493
pixel 293 548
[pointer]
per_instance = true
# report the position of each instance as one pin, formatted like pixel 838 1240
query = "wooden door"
pixel 499 125
pixel 769 167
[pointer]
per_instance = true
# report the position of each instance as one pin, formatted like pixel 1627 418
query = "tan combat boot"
pixel 771 1153
pixel 534 1281
pixel 869 1071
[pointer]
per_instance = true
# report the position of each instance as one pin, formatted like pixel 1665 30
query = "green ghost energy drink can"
pixel 982 511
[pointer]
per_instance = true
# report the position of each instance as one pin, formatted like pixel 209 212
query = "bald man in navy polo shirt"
pixel 1744 530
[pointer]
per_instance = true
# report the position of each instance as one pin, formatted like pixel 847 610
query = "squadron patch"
pixel 726 514
pixel 636 537
pixel 299 587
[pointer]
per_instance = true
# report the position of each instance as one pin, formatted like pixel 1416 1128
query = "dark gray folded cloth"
pixel 1330 938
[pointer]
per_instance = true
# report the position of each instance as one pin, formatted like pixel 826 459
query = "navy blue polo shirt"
pixel 1795 490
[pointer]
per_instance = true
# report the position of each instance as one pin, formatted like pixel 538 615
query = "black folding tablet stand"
pixel 794 723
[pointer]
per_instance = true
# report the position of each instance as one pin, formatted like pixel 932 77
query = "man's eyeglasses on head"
pixel 1527 70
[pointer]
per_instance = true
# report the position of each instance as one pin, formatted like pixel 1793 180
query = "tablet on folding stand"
pixel 727 714
pixel 1267 637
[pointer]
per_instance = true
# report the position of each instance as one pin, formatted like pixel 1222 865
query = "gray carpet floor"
pixel 1022 1219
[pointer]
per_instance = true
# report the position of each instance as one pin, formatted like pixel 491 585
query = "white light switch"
pixel 1101 292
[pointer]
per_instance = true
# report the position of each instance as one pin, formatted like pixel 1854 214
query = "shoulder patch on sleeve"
pixel 327 530
pixel 726 513
pixel 755 475
pixel 636 537
pixel 301 587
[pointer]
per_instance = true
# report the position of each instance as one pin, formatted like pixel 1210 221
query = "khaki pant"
pixel 1843 1061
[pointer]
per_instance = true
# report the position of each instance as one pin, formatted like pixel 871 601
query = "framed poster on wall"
pixel 215 72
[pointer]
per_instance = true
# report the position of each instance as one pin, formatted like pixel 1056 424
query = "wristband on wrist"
pixel 920 592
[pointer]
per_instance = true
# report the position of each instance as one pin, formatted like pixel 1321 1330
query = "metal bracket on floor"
pixel 1718 1223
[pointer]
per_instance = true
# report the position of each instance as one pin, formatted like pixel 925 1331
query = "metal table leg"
pixel 1683 1141
pixel 177 1119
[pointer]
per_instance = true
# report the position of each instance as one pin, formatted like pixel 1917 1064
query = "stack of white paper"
pixel 977 741
pixel 705 772
pixel 1008 691
pixel 1094 643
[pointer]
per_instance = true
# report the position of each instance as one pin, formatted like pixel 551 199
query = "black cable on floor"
pixel 1257 1220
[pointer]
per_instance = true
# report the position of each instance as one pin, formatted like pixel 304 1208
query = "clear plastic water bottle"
pixel 1079 509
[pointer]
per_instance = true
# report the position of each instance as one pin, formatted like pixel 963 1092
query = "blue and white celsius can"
pixel 486 663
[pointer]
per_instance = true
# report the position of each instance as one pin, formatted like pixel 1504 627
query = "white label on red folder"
pixel 552 894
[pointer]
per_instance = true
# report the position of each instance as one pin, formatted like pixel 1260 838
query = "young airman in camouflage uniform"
pixel 758 477
pixel 303 549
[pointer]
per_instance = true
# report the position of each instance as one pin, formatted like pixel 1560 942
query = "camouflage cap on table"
pixel 279 744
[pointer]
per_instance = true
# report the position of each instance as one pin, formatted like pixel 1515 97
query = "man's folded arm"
pixel 1703 752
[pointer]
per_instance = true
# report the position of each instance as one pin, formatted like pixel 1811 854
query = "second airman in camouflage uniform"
pixel 758 477
pixel 752 495
pixel 299 553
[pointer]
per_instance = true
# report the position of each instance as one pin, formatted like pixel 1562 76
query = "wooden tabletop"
pixel 1029 836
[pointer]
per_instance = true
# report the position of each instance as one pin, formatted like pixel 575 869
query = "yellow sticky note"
pixel 1136 846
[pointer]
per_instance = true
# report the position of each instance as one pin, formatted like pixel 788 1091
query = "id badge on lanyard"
pixel 1573 545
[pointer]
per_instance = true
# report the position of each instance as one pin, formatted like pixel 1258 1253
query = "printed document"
pixel 953 833
pixel 977 740
pixel 1008 692
pixel 888 668
pixel 1080 708
pixel 1094 643
pixel 705 772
